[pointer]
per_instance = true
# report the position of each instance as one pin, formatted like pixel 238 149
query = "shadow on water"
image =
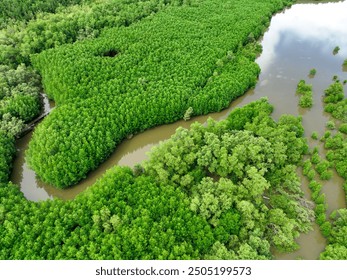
pixel 298 39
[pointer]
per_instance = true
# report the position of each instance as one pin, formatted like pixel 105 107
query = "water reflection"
pixel 316 29
pixel 24 176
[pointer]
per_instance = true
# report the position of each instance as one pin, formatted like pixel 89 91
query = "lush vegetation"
pixel 305 92
pixel 343 128
pixel 337 249
pixel 7 151
pixel 315 168
pixel 28 27
pixel 225 191
pixel 21 38
pixel 320 208
pixel 256 159
pixel 337 155
pixel 228 190
pixel 19 103
pixel 136 77
pixel 336 104
pixel 27 9
pixel 19 97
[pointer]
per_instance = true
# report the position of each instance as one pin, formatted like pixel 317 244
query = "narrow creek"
pixel 299 38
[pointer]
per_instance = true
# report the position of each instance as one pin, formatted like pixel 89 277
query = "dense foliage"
pixel 343 128
pixel 20 39
pixel 19 98
pixel 27 9
pixel 336 104
pixel 29 27
pixel 321 166
pixel 7 151
pixel 312 168
pixel 225 191
pixel 247 161
pixel 19 92
pixel 337 248
pixel 305 92
pixel 122 217
pixel 334 93
pixel 136 77
pixel 321 207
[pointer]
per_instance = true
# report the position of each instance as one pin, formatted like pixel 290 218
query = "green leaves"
pixel 27 9
pixel 246 172
pixel 19 98
pixel 211 199
pixel 283 230
pixel 208 192
pixel 7 151
pixel 334 93
pixel 227 190
pixel 27 34
pixel 305 90
pixel 336 104
pixel 155 77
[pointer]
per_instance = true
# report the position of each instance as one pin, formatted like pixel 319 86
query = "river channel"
pixel 298 39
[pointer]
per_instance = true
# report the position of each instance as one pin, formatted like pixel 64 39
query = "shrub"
pixel 343 128
pixel 326 175
pixel 326 135
pixel 306 101
pixel 315 158
pixel 335 142
pixel 314 135
pixel 334 93
pixel 315 186
pixel 310 175
pixel 307 166
pixel 336 50
pixel 305 90
pixel 188 114
pixel 321 218
pixel 325 229
pixel 330 125
pixel 323 166
pixel 313 72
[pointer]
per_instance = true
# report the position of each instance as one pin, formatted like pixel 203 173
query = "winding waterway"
pixel 299 38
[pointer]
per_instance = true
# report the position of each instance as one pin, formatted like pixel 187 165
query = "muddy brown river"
pixel 299 38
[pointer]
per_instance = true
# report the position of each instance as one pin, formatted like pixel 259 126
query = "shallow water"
pixel 299 38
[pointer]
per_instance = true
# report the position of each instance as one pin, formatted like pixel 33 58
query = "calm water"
pixel 299 39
